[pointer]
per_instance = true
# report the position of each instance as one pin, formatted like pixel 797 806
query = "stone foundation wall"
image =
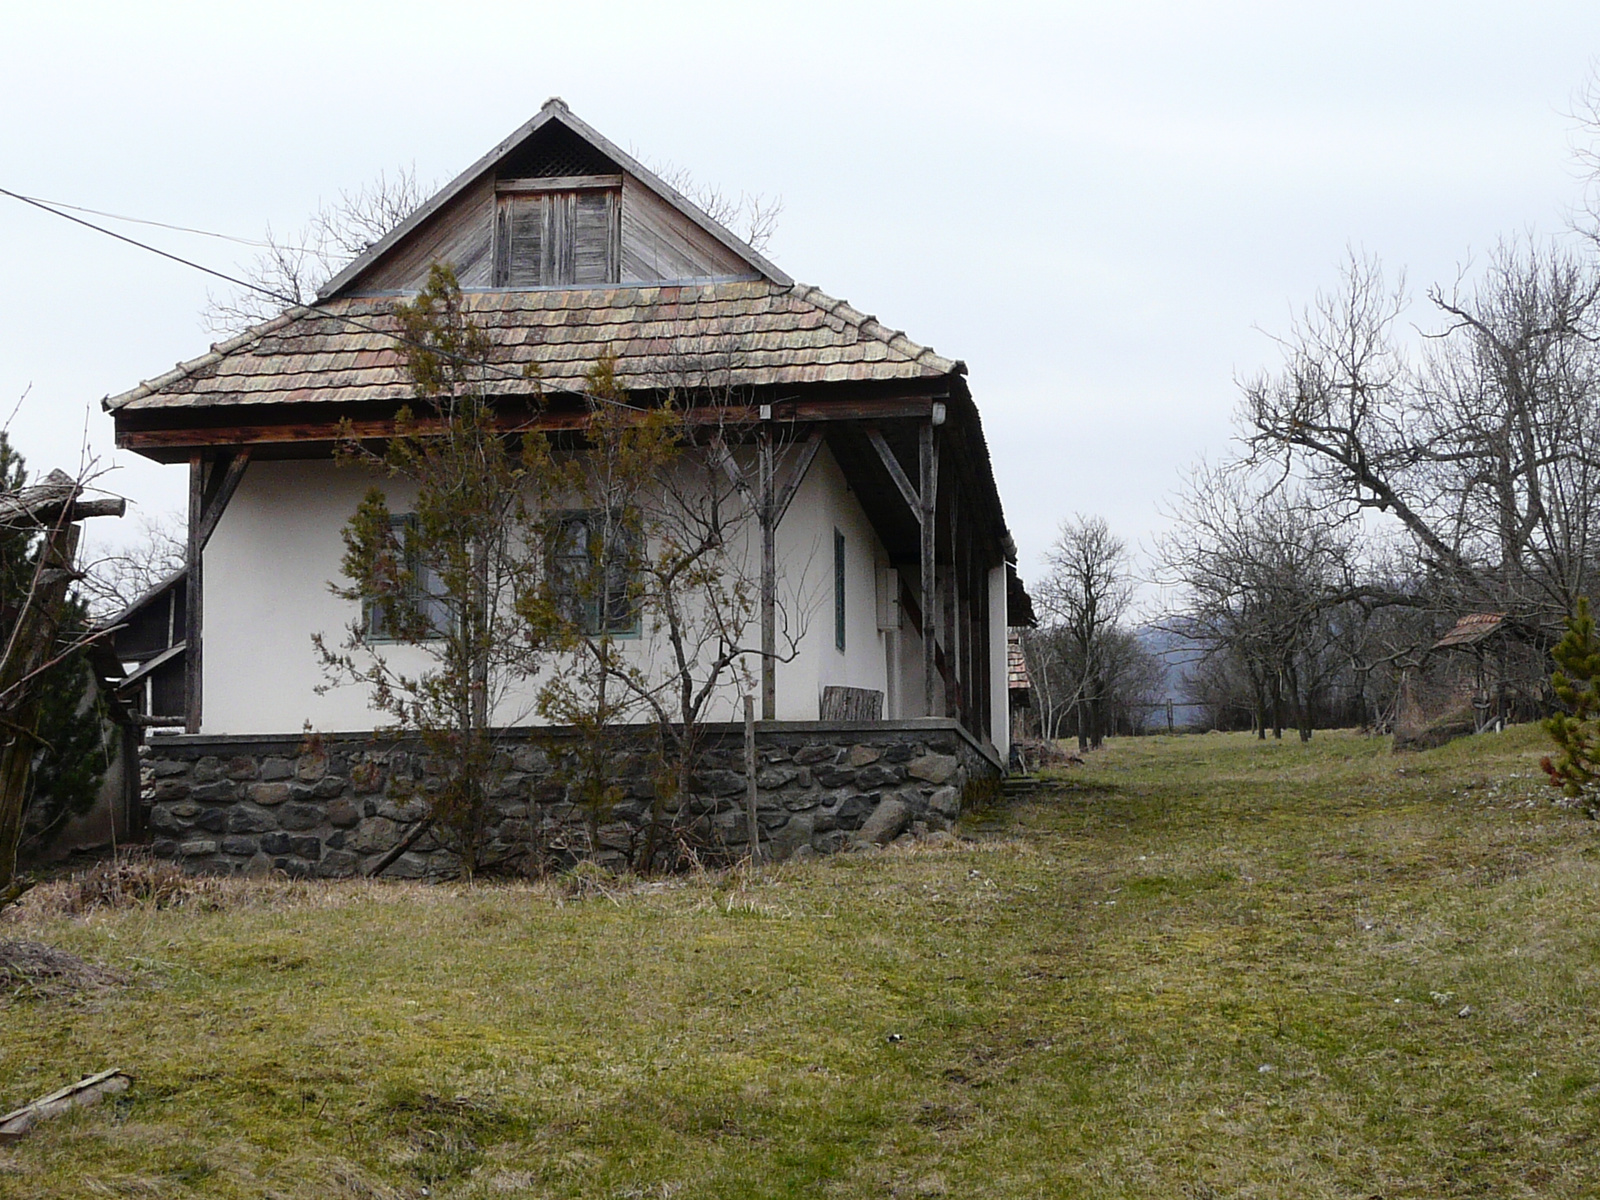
pixel 335 806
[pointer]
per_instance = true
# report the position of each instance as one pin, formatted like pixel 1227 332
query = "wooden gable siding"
pixel 659 244
pixel 461 234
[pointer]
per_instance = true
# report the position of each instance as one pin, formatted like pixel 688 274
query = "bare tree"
pixel 115 578
pixel 1484 452
pixel 290 270
pixel 1086 592
pixel 751 215
pixel 1261 569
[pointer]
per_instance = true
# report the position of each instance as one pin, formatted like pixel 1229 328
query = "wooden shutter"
pixel 593 240
pixel 548 239
pixel 523 240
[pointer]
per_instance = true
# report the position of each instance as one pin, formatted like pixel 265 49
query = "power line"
pixel 97 212
pixel 288 301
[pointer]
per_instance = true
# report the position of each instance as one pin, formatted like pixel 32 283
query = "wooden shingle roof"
pixel 744 333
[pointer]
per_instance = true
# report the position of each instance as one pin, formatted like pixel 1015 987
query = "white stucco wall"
pixel 277 548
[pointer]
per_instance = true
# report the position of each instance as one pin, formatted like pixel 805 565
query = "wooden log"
pixel 88 1091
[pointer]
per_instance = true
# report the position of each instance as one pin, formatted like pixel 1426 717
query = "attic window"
pixel 557 231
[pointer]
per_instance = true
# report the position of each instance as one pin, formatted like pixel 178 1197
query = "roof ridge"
pixel 218 352
pixel 870 326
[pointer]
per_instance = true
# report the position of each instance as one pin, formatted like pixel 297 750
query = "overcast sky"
pixel 1097 206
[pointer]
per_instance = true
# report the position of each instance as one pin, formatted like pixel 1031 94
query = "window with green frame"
pixel 592 577
pixel 424 594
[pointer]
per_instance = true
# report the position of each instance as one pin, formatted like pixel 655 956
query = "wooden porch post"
pixel 928 479
pixel 769 582
pixel 194 599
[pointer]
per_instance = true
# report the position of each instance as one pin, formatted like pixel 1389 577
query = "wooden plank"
pixel 228 483
pixel 462 235
pixel 797 475
pixel 262 434
pixel 195 594
pixel 659 244
pixel 928 477
pixel 558 183
pixel 851 704
pixel 896 471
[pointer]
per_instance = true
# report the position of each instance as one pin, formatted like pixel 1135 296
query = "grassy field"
pixel 1201 967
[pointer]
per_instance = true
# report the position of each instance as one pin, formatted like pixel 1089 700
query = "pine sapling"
pixel 1576 732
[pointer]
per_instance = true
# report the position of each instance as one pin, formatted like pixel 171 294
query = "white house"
pixel 566 249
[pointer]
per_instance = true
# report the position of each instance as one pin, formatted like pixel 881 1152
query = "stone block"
pixel 170 789
pixel 794 835
pixel 342 814
pixel 184 811
pixel 530 759
pixel 267 793
pixel 309 768
pixel 816 752
pixel 300 816
pixel 887 822
pixel 879 775
pixel 239 845
pixel 276 768
pixel 213 820
pixel 162 818
pixel 830 841
pixel 853 811
pixel 833 777
pixel 899 752
pixel 294 868
pixel 198 849
pixel 247 818
pixel 862 756
pixel 412 808
pixel 731 828
pixel 718 783
pixel 802 778
pixel 946 801
pixel 776 777
pixel 220 791
pixel 328 787
pixel 208 769
pixel 168 768
pixel 934 768
pixel 275 843
pixel 373 836
pixel 241 767
pixel 801 801
pixel 408 866
pixel 366 777
pixel 308 848
pixel 619 835
pixel 335 840
pixel 338 864
pixel 165 848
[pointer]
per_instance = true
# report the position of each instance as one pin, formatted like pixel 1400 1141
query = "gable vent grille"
pixel 555 151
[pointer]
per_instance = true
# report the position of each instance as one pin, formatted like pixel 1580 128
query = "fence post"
pixel 750 777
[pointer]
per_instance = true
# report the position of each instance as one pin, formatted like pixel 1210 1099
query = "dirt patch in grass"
pixel 35 970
